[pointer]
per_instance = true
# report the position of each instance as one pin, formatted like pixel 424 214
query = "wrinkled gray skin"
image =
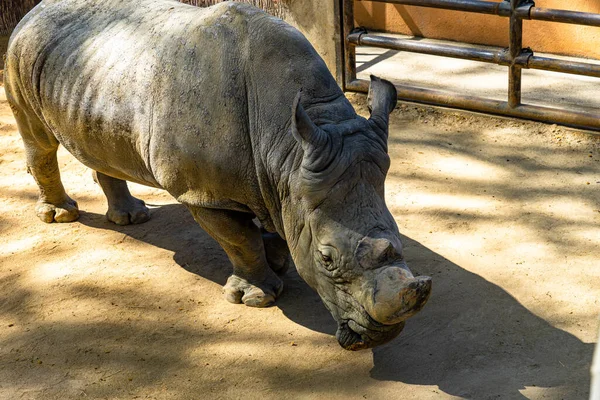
pixel 233 113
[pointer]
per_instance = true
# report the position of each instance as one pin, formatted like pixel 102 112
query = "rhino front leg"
pixel 123 208
pixel 277 251
pixel 252 282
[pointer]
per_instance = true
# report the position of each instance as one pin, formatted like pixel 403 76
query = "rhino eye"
pixel 326 259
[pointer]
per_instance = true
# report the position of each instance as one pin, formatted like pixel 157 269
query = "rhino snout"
pixel 396 295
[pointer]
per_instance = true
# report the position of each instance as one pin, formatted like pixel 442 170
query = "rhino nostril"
pixel 414 285
pixel 421 283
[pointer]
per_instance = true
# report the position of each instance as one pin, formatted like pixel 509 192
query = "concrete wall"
pixel 319 21
pixel 485 29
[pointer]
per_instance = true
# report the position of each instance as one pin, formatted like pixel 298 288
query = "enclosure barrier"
pixel 515 57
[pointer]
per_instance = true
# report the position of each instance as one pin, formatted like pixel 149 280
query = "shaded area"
pixel 476 341
pixel 173 228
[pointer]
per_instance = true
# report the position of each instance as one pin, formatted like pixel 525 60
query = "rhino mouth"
pixel 358 331
pixel 354 336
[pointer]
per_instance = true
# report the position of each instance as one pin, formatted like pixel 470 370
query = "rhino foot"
pixel 66 211
pixel 239 290
pixel 133 211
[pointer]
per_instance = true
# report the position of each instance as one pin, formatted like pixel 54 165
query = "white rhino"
pixel 234 114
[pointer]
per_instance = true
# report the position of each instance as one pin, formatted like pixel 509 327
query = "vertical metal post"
pixel 338 7
pixel 514 49
pixel 349 49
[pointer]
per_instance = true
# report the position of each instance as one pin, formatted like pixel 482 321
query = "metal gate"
pixel 515 57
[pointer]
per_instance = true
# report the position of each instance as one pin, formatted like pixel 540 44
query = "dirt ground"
pixel 503 214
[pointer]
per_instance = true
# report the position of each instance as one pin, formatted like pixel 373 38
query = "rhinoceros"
pixel 235 114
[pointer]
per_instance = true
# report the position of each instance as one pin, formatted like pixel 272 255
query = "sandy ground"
pixel 504 215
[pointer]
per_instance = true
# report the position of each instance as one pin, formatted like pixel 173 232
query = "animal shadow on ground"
pixel 472 339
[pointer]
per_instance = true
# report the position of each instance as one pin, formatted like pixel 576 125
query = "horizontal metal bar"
pixel 488 54
pixel 502 9
pixel 537 113
pixel 471 52
pixel 564 16
pixel 564 66
pixel 475 6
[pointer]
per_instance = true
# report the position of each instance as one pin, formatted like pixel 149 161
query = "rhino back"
pixel 133 88
pixel 197 101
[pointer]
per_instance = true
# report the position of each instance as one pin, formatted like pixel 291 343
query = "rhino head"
pixel 347 246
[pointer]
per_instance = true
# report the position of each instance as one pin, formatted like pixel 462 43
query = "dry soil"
pixel 503 214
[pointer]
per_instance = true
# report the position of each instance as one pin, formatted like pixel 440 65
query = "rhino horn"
pixel 396 295
pixel 303 128
pixel 373 253
pixel 381 101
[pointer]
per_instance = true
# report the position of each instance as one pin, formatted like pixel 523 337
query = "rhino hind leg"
pixel 53 205
pixel 253 282
pixel 123 208
pixel 277 252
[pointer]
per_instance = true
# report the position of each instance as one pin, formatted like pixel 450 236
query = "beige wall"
pixel 318 21
pixel 485 29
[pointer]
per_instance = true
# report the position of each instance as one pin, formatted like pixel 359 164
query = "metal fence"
pixel 515 57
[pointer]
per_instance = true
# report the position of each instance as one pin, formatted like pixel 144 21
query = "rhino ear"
pixel 304 130
pixel 381 101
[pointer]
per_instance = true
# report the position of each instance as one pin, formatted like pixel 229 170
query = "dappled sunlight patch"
pixel 560 210
pixel 465 244
pixel 513 239
pixel 441 201
pixel 589 235
pixel 55 270
pixel 499 130
pixel 97 263
pixel 19 245
pixel 24 181
pixel 528 248
pixel 468 168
